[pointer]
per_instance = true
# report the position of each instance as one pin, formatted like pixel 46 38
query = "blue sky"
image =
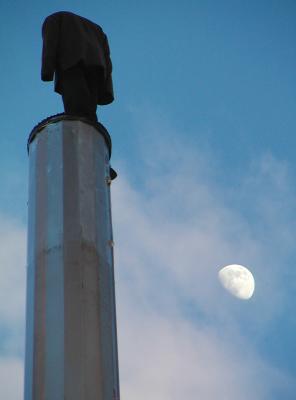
pixel 203 131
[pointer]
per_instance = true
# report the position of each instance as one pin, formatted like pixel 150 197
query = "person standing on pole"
pixel 76 55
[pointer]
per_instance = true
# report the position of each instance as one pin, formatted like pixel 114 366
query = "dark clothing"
pixel 79 91
pixel 73 41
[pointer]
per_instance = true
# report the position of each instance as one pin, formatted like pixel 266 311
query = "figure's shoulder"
pixel 59 15
pixel 58 18
pixel 52 18
pixel 91 24
pixel 69 18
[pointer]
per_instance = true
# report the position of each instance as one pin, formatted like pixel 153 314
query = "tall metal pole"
pixel 71 339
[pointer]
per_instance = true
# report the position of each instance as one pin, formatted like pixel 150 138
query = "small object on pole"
pixel 71 338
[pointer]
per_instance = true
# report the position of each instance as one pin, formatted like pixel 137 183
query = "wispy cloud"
pixel 12 285
pixel 165 357
pixel 12 307
pixel 11 378
pixel 180 334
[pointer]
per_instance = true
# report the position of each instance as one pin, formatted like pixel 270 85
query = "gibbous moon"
pixel 238 280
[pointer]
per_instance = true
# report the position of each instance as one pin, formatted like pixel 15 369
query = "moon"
pixel 238 280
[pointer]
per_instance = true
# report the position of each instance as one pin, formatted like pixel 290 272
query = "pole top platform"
pixel 64 117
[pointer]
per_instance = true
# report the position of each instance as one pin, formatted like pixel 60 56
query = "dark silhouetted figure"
pixel 76 53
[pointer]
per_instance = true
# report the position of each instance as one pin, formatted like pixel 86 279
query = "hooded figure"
pixel 76 53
